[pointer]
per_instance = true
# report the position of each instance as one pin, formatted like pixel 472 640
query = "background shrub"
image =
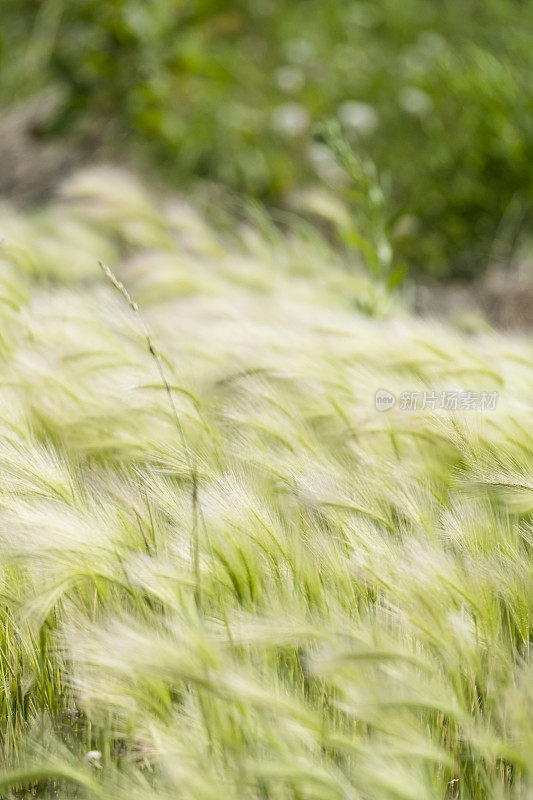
pixel 437 94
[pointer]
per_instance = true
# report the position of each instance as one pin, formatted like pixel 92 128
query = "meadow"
pixel 223 572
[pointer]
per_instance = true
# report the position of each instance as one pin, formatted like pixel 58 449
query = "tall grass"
pixel 366 578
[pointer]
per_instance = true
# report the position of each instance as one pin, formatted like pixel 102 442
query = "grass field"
pixel 223 572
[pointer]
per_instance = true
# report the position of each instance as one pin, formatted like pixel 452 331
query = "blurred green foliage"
pixel 439 95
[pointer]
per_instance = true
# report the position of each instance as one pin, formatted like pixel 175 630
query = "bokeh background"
pixel 436 98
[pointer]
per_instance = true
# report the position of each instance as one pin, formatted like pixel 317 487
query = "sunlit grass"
pixel 287 594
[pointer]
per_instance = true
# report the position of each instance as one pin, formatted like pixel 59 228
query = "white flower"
pixel 290 119
pixel 359 116
pixel 290 79
pixel 414 101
